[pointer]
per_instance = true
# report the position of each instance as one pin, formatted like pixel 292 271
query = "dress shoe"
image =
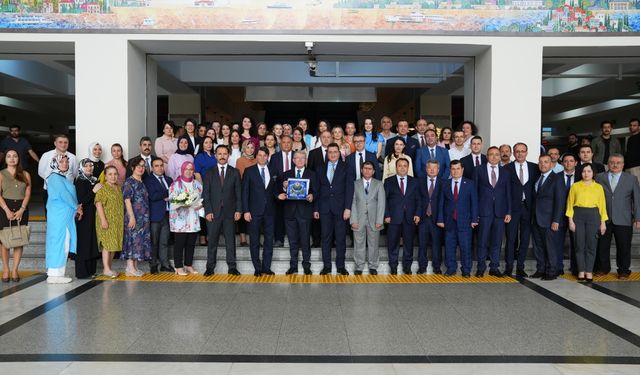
pixel 437 271
pixel 588 280
pixel 407 271
pixel 5 279
pixel 343 271
pixel 244 244
pixel 521 273
pixel 373 272
pixel 537 275
pixel 209 272
pixel 307 271
pixel 154 270
pixel 623 276
pixel 393 271
pixel 496 273
pixel 581 279
pixel 325 271
pixel 452 273
pixel 421 271
pixel 466 275
pixel 268 273
pixel 167 269
pixel 278 244
pixel 291 271
pixel 233 271
pixel 598 274
pixel 357 273
pixel 315 244
pixel 479 273
pixel 549 277
pixel 257 274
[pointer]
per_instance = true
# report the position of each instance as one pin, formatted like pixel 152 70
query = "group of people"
pixel 438 185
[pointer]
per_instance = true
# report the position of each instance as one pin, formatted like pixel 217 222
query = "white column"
pixel 508 94
pixel 110 94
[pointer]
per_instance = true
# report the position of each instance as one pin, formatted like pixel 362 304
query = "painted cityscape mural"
pixel 385 16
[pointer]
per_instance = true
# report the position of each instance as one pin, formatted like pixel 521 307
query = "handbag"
pixel 15 236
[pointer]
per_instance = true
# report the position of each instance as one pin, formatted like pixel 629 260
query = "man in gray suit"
pixel 367 218
pixel 222 206
pixel 622 193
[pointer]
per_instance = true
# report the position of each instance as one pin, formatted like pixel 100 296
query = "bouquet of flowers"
pixel 186 199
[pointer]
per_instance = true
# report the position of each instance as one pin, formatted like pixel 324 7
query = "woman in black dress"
pixel 87 250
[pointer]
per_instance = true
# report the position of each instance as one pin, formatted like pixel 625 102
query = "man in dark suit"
pixel 281 162
pixel 145 154
pixel 402 214
pixel 431 151
pixel 475 159
pixel 298 214
pixel 157 185
pixel 222 193
pixel 586 156
pixel 356 159
pixel 258 204
pixel 569 177
pixel 622 193
pixel 412 144
pixel 494 202
pixel 458 214
pixel 316 161
pixel 429 234
pixel 335 191
pixel 523 176
pixel 549 206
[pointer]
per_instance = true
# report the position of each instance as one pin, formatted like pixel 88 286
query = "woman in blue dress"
pixel 61 227
pixel 137 226
pixel 372 139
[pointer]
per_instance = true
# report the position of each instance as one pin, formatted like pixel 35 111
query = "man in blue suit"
pixel 494 202
pixel 281 162
pixel 258 204
pixel 549 206
pixel 429 234
pixel 157 185
pixel 335 191
pixel 432 152
pixel 523 176
pixel 402 214
pixel 475 159
pixel 356 159
pixel 412 144
pixel 458 214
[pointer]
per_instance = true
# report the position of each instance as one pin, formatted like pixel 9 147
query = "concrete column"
pixel 152 98
pixel 110 94
pixel 508 94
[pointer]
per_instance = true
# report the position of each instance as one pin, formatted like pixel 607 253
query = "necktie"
pixel 298 175
pixel 221 176
pixel 568 184
pixel 455 199
pixel 402 185
pixel 147 164
pixel 477 161
pixel 361 162
pixel 332 171
pixel 361 159
pixel 494 178
pixel 324 156
pixel 286 162
pixel 430 194
pixel 521 175
pixel 433 154
pixel 263 177
pixel 540 181
pixel 163 182
pixel 614 182
pixel 421 141
pixel 366 188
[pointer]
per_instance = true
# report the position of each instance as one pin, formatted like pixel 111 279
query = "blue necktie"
pixel 568 184
pixel 540 183
pixel 366 188
pixel 262 175
pixel 298 174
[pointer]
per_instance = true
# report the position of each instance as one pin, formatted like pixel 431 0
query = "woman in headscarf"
pixel 182 154
pixel 95 155
pixel 110 219
pixel 86 188
pixel 61 226
pixel 184 221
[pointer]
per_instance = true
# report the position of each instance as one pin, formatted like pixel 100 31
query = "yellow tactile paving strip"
pixel 314 279
pixel 635 276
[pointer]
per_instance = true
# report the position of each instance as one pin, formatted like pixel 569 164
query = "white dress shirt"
pixel 453 184
pixel 267 176
pixel 455 154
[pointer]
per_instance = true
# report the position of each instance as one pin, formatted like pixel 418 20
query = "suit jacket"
pixel 434 199
pixel 466 206
pixel 493 201
pixel 256 199
pixel 410 149
pixel 517 189
pixel 222 200
pixel 623 204
pixel 316 160
pixel 550 201
pixel 401 207
pixel 368 209
pixel 298 208
pixel 157 194
pixel 276 163
pixel 469 165
pixel 423 155
pixel 336 196
pixel 368 156
pixel 597 168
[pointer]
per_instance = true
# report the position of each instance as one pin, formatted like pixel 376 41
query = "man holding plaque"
pixel 298 212
pixel 333 208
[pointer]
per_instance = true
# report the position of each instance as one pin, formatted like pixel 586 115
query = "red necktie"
pixel 221 176
pixel 402 185
pixel 455 199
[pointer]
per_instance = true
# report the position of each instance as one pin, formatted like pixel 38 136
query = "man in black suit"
pixel 412 144
pixel 157 185
pixel 316 161
pixel 335 191
pixel 429 234
pixel 281 162
pixel 523 176
pixel 222 195
pixel 258 203
pixel 474 159
pixel 549 206
pixel 145 154
pixel 298 214
pixel 356 159
pixel 586 156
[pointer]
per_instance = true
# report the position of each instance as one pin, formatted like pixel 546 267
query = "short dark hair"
pixel 154 159
pixel 455 162
pixel 134 163
pixel 61 135
pixel 368 163
pixel 526 148
pixel 263 149
pixel 143 139
pixel 431 130
pixel 568 154
pixel 333 144
pixel 635 119
pixel 14 126
pixel 603 123
pixel 476 137
pixel 585 146
pixel 222 146
pixel 474 128
pixel 398 160
pixel 189 120
pixel 493 148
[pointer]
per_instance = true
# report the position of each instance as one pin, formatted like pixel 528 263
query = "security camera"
pixel 308 46
pixel 313 67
